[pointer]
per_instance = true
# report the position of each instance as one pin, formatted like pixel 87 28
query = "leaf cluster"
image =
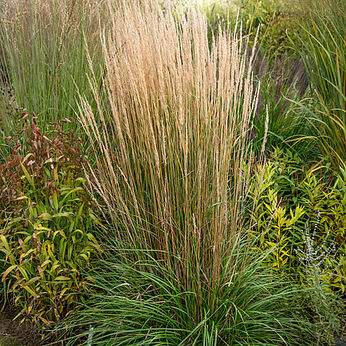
pixel 33 155
pixel 287 195
pixel 46 224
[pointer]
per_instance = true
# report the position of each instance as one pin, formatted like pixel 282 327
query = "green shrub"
pixel 289 194
pixel 45 224
pixel 275 22
pixel 325 305
pixel 276 36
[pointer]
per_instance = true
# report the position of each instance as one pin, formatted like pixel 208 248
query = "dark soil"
pixel 14 333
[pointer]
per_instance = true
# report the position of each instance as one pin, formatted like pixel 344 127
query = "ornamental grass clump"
pixel 147 305
pixel 170 151
pixel 323 53
pixel 44 60
pixel 169 170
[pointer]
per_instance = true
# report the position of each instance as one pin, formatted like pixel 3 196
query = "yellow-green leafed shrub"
pixel 46 227
pixel 289 196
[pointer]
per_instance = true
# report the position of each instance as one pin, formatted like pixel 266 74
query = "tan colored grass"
pixel 170 148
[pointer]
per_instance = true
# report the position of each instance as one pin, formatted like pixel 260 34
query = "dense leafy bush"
pixel 290 194
pixel 276 23
pixel 45 223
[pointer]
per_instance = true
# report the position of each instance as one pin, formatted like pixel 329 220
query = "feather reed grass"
pixel 171 149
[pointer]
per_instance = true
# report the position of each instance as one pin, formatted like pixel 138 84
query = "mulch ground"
pixel 14 333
